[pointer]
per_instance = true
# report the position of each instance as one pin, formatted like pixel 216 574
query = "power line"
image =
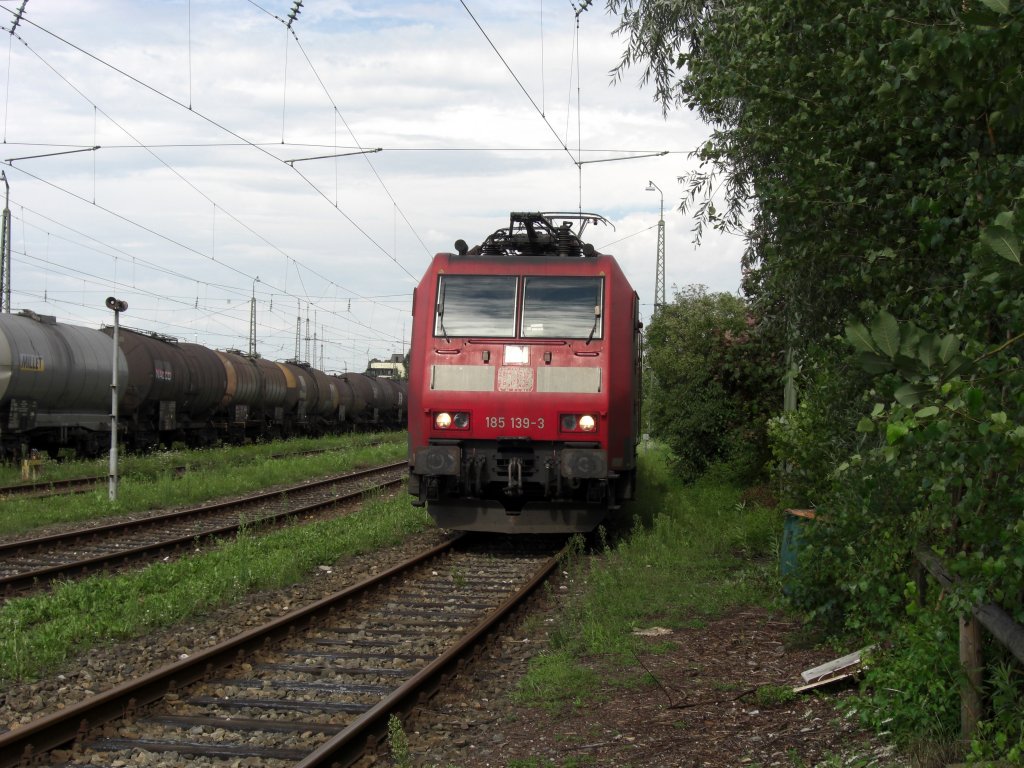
pixel 187 182
pixel 356 149
pixel 519 83
pixel 207 119
pixel 363 151
pixel 199 253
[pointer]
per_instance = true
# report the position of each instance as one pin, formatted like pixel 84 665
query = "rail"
pixel 89 549
pixel 489 596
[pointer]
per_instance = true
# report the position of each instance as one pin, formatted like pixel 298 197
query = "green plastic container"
pixel 792 528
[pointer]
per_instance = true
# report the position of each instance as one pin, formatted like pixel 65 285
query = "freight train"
pixel 55 385
pixel 525 376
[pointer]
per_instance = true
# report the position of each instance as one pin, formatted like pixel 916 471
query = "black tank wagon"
pixel 54 383
pixel 55 392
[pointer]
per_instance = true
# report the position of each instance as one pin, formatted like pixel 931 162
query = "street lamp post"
pixel 252 319
pixel 659 274
pixel 118 307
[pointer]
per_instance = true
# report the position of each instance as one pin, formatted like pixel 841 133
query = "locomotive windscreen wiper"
pixel 597 317
pixel 440 314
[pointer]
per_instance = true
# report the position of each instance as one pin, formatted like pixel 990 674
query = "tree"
pixel 873 155
pixel 712 383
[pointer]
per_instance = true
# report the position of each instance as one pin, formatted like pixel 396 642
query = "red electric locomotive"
pixel 524 381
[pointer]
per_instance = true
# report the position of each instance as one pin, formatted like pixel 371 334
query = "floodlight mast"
pixel 5 249
pixel 252 319
pixel 659 273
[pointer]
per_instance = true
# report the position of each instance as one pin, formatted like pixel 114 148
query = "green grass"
pixel 150 481
pixel 38 633
pixel 702 552
pixel 554 679
pixel 770 695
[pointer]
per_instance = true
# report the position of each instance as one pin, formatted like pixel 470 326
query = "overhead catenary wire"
pixel 363 151
pixel 209 120
pixel 212 257
pixel 515 77
pixel 356 150
pixel 241 293
pixel 377 335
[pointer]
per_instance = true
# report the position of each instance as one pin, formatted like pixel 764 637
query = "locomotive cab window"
pixel 476 305
pixel 562 307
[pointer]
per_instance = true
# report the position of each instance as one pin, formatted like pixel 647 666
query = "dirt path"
pixel 697 704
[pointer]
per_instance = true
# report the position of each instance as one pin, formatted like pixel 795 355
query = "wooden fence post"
pixel 970 687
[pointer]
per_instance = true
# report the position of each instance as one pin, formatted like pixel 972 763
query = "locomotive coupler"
pixel 475 475
pixel 553 478
pixel 515 477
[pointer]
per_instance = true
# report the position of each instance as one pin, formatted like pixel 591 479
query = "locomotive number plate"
pixel 514 422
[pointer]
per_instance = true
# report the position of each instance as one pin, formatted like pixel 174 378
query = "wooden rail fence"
pixel 997 621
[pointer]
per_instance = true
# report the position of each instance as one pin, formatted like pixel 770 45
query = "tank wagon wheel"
pixel 88 447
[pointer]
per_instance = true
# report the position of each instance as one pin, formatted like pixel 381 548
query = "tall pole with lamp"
pixel 659 302
pixel 252 319
pixel 659 269
pixel 5 249
pixel 118 307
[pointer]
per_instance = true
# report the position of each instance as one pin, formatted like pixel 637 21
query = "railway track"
pixel 29 563
pixel 43 489
pixel 312 688
pixel 47 488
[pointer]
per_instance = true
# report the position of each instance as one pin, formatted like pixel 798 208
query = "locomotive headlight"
pixel 575 422
pixel 451 420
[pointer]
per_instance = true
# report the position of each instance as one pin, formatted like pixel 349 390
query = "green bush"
pixel 713 382
pixel 912 688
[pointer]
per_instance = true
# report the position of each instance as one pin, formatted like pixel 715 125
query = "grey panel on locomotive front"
pixel 569 379
pixel 462 378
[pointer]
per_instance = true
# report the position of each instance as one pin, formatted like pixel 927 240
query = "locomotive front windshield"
pixel 485 306
pixel 476 305
pixel 562 308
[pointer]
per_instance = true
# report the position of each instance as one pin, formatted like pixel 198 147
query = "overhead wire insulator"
pixel 17 16
pixel 294 13
pixel 582 7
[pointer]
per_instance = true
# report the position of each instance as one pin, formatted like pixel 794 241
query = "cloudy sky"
pixel 171 152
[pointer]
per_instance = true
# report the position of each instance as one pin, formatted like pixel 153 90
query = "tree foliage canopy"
pixel 873 156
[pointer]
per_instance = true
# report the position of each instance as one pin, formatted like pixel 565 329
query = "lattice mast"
pixel 5 249
pixel 659 264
